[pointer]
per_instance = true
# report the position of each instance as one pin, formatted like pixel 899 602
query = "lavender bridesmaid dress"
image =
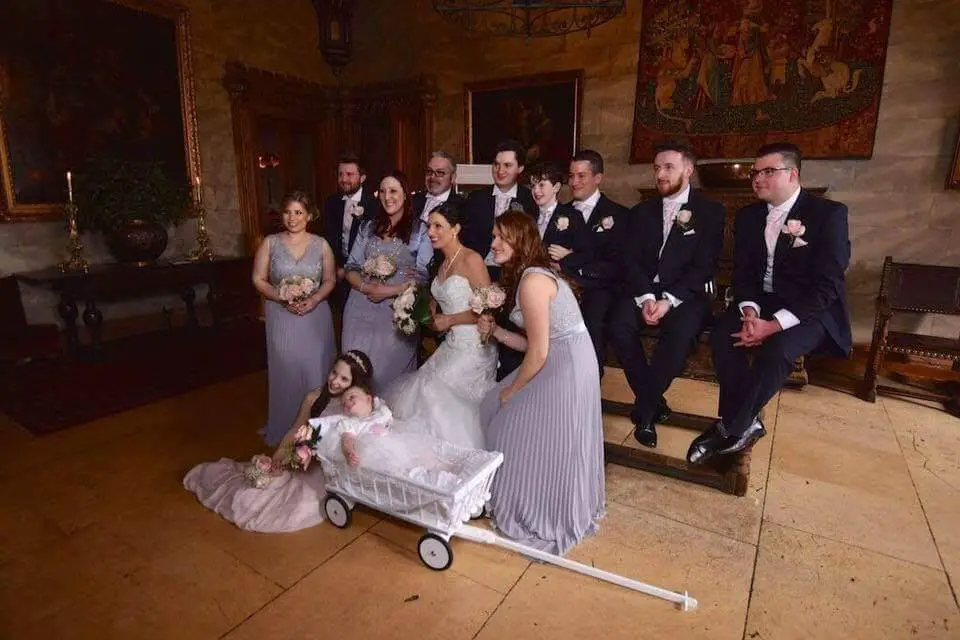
pixel 550 493
pixel 368 326
pixel 300 349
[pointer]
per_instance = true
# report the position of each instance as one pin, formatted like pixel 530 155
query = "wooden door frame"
pixel 410 106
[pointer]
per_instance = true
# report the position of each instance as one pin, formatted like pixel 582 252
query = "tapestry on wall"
pixel 731 75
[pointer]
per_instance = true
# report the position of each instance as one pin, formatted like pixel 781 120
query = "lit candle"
pixel 199 191
pixel 70 187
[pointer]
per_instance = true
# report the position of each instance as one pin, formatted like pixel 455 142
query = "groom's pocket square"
pixel 799 242
pixel 690 233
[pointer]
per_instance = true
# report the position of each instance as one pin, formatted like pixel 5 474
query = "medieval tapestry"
pixel 731 75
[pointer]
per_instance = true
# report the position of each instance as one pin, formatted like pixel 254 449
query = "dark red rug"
pixel 45 396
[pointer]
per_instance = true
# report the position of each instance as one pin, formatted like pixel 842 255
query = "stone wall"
pixel 897 202
pixel 221 31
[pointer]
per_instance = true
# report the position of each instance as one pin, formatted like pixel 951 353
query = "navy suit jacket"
pixel 333 222
pixel 477 233
pixel 808 279
pixel 689 260
pixel 567 229
pixel 597 264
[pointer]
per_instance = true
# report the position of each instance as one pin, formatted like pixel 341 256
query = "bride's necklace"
pixel 446 269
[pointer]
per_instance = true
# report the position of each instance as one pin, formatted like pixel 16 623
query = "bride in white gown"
pixel 443 396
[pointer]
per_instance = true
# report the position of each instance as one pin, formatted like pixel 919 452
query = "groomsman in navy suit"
pixel 344 213
pixel 486 205
pixel 440 181
pixel 671 246
pixel 790 254
pixel 596 267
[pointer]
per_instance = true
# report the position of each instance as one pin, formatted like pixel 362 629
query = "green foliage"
pixel 111 192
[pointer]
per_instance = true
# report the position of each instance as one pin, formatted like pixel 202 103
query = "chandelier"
pixel 528 18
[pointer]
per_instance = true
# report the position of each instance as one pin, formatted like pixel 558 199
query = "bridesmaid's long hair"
pixel 361 373
pixel 520 231
pixel 403 228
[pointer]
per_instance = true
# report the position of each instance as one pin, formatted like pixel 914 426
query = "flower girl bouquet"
pixel 296 456
pixel 380 267
pixel 411 309
pixel 486 299
pixel 296 288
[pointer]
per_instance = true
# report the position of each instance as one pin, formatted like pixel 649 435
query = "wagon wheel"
pixel 482 513
pixel 435 552
pixel 338 513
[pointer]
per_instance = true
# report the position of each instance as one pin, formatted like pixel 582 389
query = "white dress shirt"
pixel 776 217
pixel 501 202
pixel 544 219
pixel 350 203
pixel 585 207
pixel 432 202
pixel 671 207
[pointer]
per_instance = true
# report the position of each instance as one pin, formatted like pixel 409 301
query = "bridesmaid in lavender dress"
pixel 398 233
pixel 545 417
pixel 300 341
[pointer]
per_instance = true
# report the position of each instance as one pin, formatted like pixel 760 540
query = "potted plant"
pixel 132 203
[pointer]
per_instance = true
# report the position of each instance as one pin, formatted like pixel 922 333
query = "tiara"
pixel 355 359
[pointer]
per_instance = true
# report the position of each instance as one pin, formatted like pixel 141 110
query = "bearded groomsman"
pixel 484 206
pixel 790 254
pixel 440 180
pixel 343 215
pixel 594 265
pixel 670 252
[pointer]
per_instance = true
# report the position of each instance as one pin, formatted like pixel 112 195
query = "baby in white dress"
pixel 363 414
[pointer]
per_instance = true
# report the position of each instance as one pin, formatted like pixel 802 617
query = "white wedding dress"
pixel 443 397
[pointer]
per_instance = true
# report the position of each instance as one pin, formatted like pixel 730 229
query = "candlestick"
pixel 70 186
pixel 76 262
pixel 203 251
pixel 198 192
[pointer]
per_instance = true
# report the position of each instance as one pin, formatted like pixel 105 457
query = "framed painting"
pixel 81 79
pixel 732 75
pixel 542 112
pixel 953 179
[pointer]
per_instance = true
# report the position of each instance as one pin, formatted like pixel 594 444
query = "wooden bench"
pixel 919 289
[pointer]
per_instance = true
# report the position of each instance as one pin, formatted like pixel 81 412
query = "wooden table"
pixel 111 282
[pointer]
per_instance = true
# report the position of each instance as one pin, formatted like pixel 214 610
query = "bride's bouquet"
pixel 296 288
pixel 380 267
pixel 411 309
pixel 485 299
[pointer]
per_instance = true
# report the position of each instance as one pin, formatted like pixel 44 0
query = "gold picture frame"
pixel 47 208
pixel 953 178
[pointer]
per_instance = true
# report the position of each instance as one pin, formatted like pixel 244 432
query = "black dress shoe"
pixel 663 411
pixel 746 440
pixel 707 444
pixel 646 434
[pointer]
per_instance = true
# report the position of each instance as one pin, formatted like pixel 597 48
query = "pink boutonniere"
pixel 795 229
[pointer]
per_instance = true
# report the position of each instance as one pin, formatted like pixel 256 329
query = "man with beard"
pixel 669 254
pixel 440 179
pixel 343 214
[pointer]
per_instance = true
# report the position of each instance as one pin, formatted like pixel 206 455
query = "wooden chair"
pixel 914 288
pixel 20 341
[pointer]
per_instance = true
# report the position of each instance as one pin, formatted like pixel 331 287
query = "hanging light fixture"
pixel 334 20
pixel 528 18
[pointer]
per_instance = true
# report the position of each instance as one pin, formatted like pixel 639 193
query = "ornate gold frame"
pixel 10 211
pixel 953 178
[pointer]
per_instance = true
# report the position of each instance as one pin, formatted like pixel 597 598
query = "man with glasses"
pixel 790 254
pixel 440 181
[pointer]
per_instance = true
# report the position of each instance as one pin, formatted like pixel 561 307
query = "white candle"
pixel 70 186
pixel 199 192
